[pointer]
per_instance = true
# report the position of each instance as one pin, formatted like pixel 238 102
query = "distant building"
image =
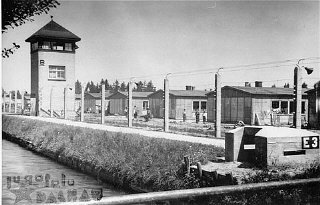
pixel 92 101
pixel 314 107
pixel 179 100
pixel 118 102
pixel 249 104
pixel 53 51
pixel 5 102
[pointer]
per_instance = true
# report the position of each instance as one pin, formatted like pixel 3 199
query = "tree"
pixel 273 86
pixel 139 86
pixel 17 12
pixel 88 87
pixel 107 85
pixel 304 85
pixel 77 87
pixel 19 94
pixel 123 86
pixel 286 85
pixel 116 86
pixel 150 87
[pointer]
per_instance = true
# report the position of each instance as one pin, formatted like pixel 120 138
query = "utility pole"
pixel 166 103
pixel 130 108
pixel 218 103
pixel 103 100
pixel 82 104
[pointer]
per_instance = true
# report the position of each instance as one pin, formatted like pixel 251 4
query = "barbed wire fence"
pixel 93 109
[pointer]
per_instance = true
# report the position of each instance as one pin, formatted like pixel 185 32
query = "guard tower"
pixel 53 51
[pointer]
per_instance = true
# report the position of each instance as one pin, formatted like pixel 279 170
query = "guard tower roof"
pixel 52 30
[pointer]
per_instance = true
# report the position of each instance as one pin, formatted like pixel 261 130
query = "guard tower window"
pixel 34 46
pixel 68 46
pixel 57 46
pixel 46 45
pixel 57 72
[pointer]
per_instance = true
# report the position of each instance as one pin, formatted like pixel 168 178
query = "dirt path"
pixel 147 133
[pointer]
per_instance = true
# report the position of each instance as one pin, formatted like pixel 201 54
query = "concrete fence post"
pixel 298 96
pixel 16 102
pixel 130 108
pixel 166 104
pixel 51 106
pixel 22 102
pixel 218 104
pixel 82 104
pixel 65 103
pixel 10 96
pixel 103 100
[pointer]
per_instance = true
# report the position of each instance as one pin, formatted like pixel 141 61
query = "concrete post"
pixel 65 103
pixel 51 111
pixel 130 107
pixel 10 96
pixel 22 102
pixel 166 105
pixel 82 104
pixel 16 101
pixel 103 100
pixel 298 96
pixel 218 104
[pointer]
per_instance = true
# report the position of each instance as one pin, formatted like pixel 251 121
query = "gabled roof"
pixel 55 31
pixel 185 93
pixel 108 93
pixel 135 94
pixel 265 90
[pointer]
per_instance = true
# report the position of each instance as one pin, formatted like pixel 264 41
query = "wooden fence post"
pixel 187 163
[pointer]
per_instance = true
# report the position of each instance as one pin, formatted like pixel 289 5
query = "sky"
pixel 145 40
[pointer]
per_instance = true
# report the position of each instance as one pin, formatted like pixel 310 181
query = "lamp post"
pixel 298 92
pixel 166 103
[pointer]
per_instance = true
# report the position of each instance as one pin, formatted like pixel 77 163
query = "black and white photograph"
pixel 160 102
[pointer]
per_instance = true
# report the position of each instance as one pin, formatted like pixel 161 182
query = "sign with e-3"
pixel 311 142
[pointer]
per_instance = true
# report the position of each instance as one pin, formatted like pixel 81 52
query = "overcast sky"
pixel 125 39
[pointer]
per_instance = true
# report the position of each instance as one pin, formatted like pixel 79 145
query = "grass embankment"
pixel 126 160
